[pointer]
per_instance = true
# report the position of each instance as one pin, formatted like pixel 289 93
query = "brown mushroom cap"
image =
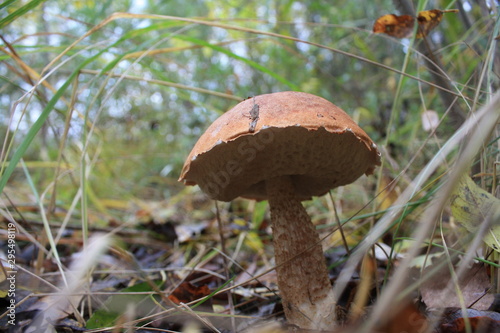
pixel 297 134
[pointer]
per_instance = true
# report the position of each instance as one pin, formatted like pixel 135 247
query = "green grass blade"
pixel 19 12
pixel 6 3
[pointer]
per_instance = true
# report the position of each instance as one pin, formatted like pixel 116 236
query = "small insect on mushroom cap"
pixel 294 133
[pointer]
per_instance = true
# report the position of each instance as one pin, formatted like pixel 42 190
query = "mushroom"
pixel 285 147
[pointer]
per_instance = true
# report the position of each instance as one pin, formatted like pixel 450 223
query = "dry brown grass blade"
pixel 166 84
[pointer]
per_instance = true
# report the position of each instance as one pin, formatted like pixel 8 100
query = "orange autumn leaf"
pixel 477 324
pixel 187 292
pixel 428 20
pixel 394 25
pixel 402 26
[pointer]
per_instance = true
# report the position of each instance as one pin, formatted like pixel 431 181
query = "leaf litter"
pixel 154 280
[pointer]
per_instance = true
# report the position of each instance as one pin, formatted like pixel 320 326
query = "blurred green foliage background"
pixel 125 96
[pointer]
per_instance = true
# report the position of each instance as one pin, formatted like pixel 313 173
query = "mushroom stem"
pixel 303 280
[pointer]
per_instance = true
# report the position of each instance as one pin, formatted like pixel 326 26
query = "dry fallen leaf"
pixel 394 25
pixel 471 206
pixel 428 20
pixel 436 292
pixel 453 321
pixel 402 26
pixel 408 318
pixel 186 292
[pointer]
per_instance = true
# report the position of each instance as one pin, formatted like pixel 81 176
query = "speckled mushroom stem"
pixel 303 281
